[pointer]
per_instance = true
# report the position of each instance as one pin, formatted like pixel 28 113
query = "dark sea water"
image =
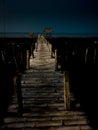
pixel 26 34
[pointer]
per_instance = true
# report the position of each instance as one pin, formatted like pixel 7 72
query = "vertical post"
pixel 56 60
pixel 86 54
pixel 27 60
pixel 95 51
pixel 48 44
pixel 51 51
pixel 66 90
pixel 18 93
pixel 2 55
pixel 32 48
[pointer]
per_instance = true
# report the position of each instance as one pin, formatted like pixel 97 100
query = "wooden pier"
pixel 43 97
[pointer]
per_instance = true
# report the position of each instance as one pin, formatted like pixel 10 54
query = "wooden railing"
pixel 14 60
pixel 78 59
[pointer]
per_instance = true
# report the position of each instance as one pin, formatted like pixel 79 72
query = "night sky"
pixel 64 16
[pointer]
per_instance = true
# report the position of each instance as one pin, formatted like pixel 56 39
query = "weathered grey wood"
pixel 18 93
pixel 56 60
pixel 86 53
pixel 51 53
pixel 27 59
pixel 66 90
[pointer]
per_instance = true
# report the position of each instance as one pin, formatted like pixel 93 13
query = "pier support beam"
pixel 51 53
pixel 56 60
pixel 66 90
pixel 27 59
pixel 18 93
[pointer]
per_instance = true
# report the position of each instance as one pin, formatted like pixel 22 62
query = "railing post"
pixel 27 60
pixel 18 93
pixel 95 51
pixel 86 54
pixel 66 90
pixel 51 54
pixel 56 60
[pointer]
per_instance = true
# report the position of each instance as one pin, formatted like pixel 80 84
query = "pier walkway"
pixel 43 98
